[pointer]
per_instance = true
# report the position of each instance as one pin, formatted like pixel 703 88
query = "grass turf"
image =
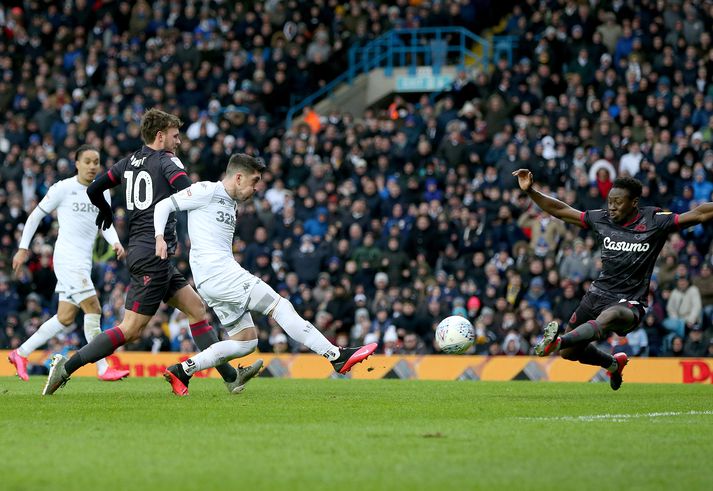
pixel 354 434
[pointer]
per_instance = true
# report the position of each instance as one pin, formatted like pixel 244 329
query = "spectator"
pixel 512 345
pixel 709 351
pixel 426 181
pixel 9 299
pixel 638 340
pixel 676 349
pixel 704 283
pixel 577 264
pixel 695 344
pixel 630 162
pixel 412 345
pixel 684 307
pixel 412 322
pixel 536 296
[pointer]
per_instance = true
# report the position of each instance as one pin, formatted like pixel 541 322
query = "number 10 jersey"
pixel 147 177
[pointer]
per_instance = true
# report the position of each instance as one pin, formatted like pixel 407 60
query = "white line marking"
pixel 617 417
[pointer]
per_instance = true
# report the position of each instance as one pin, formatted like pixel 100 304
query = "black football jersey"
pixel 629 251
pixel 147 177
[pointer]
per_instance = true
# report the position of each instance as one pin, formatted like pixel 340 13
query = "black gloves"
pixel 104 219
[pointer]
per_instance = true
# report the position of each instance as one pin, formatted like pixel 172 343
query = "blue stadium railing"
pixel 502 47
pixel 411 48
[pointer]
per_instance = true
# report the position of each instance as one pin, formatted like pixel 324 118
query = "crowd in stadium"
pixel 376 225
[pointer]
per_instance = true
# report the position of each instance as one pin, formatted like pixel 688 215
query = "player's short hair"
pixel 84 148
pixel 633 186
pixel 241 162
pixel 155 120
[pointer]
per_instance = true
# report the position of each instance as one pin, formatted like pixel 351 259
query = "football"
pixel 455 334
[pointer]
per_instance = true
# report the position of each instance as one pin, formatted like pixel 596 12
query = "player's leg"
pixel 237 346
pixel 105 343
pixel 66 312
pixel 594 320
pixel 621 318
pixel 617 317
pixel 550 342
pixel 267 301
pixel 242 342
pixel 150 280
pixel 92 328
pixel 190 303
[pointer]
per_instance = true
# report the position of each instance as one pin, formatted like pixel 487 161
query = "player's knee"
pixel 65 318
pixel 569 354
pixel 264 299
pixel 247 334
pixel 614 316
pixel 250 345
pixel 283 308
pixel 92 307
pixel 132 331
pixel 195 309
pixel 198 310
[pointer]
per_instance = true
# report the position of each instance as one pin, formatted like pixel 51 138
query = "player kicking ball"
pixel 72 261
pixel 630 238
pixel 230 290
pixel 149 175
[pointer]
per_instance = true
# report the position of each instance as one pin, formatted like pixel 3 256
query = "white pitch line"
pixel 617 417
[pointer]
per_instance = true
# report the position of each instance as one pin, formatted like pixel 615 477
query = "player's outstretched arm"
pixel 700 214
pixel 553 206
pixel 95 191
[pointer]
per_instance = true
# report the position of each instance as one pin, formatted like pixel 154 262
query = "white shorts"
pixel 230 296
pixel 73 285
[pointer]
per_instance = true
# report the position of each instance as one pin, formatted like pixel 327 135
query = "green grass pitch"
pixel 286 434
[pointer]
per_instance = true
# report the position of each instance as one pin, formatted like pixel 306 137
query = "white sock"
pixel 302 331
pixel 92 329
pixel 217 354
pixel 47 331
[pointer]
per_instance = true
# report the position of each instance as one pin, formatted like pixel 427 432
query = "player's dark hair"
pixel 241 162
pixel 84 148
pixel 633 186
pixel 155 120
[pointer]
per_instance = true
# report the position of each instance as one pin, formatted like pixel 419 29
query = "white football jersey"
pixel 211 226
pixel 76 216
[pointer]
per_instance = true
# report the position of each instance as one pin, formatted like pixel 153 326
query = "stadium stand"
pixel 377 225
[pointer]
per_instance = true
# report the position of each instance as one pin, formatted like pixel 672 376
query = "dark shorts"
pixel 153 280
pixel 592 305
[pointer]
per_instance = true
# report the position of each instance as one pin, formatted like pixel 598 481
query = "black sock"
pixel 591 355
pixel 584 333
pixel 204 335
pixel 100 347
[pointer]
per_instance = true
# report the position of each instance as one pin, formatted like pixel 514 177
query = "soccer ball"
pixel 455 334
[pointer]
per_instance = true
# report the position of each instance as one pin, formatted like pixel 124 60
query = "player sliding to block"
pixel 230 290
pixel 630 238
pixel 72 260
pixel 149 175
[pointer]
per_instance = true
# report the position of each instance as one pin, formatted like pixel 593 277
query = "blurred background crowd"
pixel 376 225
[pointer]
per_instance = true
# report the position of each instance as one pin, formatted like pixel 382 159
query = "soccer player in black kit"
pixel 149 175
pixel 630 238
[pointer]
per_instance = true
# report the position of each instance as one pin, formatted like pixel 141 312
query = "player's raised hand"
pixel 161 248
pixel 524 178
pixel 119 251
pixel 19 259
pixel 104 220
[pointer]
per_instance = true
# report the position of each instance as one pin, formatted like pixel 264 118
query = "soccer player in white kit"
pixel 231 291
pixel 72 260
